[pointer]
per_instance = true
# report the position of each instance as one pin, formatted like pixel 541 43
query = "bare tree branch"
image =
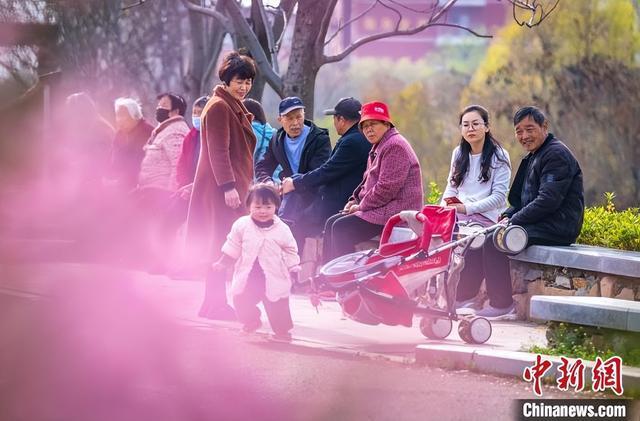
pixel 131 6
pixel 210 12
pixel 394 10
pixel 215 42
pixel 244 31
pixel 442 11
pixel 395 32
pixel 341 26
pixel 429 9
pixel 268 30
pixel 464 28
pixel 15 74
pixel 324 27
pixel 281 20
pixel 535 8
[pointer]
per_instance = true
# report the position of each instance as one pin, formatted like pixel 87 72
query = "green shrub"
pixel 587 342
pixel 606 227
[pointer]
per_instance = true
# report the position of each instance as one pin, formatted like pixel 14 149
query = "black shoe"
pixel 252 327
pixel 224 312
pixel 281 338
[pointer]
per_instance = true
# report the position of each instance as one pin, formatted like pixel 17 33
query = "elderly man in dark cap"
pixel 299 147
pixel 337 178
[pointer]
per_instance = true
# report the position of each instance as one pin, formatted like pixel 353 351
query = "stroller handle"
pixel 410 217
pixel 417 221
pixel 423 254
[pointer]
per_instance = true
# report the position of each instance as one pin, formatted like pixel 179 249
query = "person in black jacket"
pixel 337 178
pixel 546 198
pixel 298 147
pixel 547 195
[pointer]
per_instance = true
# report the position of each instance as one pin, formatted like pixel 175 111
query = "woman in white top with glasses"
pixel 480 171
pixel 477 188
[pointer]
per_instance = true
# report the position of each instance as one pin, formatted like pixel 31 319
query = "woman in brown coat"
pixel 223 176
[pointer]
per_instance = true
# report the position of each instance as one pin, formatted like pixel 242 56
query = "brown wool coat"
pixel 226 159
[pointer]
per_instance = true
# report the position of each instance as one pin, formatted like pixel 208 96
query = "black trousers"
pixel 492 265
pixel 246 303
pixel 343 232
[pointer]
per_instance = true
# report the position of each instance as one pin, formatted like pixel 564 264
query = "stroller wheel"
pixel 434 328
pixel 476 330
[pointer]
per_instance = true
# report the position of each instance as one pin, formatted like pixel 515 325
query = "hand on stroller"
pixel 314 298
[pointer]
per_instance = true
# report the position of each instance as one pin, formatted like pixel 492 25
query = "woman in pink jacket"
pixel 392 183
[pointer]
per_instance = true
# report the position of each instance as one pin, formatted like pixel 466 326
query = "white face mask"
pixel 196 120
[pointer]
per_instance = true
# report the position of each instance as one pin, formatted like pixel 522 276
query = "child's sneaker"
pixel 251 328
pixel 281 337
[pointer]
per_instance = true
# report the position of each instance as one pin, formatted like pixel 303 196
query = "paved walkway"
pixel 504 353
pixel 327 327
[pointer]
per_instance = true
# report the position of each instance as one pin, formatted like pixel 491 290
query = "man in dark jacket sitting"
pixel 546 199
pixel 546 196
pixel 299 146
pixel 337 178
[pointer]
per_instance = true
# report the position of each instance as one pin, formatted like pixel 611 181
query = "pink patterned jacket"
pixel 392 181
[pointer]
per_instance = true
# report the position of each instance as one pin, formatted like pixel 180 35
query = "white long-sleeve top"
pixel 486 198
pixel 273 246
pixel 160 163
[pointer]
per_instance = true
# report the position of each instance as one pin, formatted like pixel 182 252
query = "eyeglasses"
pixel 475 125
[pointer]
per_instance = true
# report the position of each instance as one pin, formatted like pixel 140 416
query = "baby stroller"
pixel 418 274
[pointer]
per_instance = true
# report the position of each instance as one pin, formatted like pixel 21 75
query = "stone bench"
pixel 603 312
pixel 578 256
pixel 576 270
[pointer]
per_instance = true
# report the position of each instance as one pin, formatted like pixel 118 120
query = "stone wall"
pixel 535 279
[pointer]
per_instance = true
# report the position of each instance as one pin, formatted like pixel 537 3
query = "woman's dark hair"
pixel 534 112
pixel 201 102
pixel 490 148
pixel 236 64
pixel 263 193
pixel 177 102
pixel 255 108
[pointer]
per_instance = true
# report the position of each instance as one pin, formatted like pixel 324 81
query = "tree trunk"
pixel 195 72
pixel 207 36
pixel 304 63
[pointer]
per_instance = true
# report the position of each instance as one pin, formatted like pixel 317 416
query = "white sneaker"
pixel 493 313
pixel 466 311
pixel 470 303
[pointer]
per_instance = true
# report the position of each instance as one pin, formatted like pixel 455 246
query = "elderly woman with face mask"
pixel 392 183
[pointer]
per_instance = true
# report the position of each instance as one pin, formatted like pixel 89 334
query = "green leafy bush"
pixel 606 227
pixel 587 342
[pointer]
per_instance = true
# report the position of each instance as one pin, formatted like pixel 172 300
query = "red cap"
pixel 375 110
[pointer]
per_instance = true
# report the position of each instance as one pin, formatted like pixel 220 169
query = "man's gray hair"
pixel 134 108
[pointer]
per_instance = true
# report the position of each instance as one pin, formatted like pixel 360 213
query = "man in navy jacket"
pixel 337 178
pixel 299 145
